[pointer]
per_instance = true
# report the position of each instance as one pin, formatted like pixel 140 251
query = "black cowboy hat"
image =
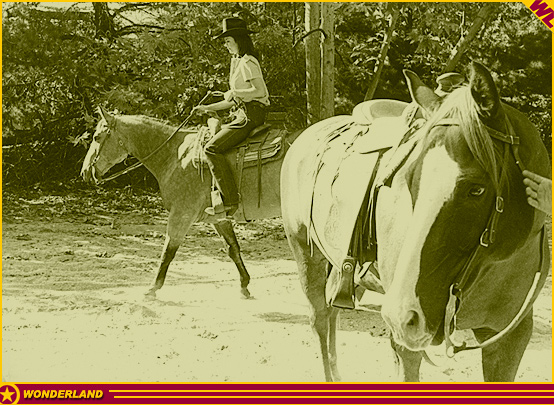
pixel 233 25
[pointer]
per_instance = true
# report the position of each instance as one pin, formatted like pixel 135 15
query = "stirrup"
pixel 218 207
pixel 222 209
pixel 367 277
pixel 217 210
pixel 339 290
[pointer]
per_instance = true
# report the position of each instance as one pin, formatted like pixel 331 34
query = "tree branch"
pixel 310 33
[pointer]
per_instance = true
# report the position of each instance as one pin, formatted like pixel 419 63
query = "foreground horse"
pixel 185 186
pixel 458 245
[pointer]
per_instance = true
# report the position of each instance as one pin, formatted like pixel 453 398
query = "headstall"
pixel 511 143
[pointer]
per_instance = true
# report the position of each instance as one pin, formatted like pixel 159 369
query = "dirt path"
pixel 73 307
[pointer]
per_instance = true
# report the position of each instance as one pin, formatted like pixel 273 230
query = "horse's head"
pixel 105 151
pixel 440 203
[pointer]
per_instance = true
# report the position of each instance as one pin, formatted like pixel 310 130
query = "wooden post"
pixel 394 13
pixel 463 43
pixel 313 63
pixel 328 60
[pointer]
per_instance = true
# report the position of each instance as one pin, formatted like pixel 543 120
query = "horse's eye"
pixel 476 191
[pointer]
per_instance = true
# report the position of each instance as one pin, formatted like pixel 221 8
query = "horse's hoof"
pixel 245 294
pixel 150 295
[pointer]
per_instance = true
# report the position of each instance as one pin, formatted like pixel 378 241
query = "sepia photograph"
pixel 276 192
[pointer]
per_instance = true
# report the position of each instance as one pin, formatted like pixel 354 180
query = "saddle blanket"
pixel 264 147
pixel 255 164
pixel 346 159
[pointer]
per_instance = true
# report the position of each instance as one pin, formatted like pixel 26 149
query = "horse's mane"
pixel 461 106
pixel 157 123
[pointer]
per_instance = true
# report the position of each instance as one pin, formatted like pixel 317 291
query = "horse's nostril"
pixel 413 319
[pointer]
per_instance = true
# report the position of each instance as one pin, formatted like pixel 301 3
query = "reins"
pixel 140 163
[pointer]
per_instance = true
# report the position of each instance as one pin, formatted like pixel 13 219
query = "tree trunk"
pixel 464 42
pixel 313 63
pixel 328 60
pixel 395 13
pixel 103 21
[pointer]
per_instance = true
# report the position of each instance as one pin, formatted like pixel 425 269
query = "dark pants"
pixel 224 140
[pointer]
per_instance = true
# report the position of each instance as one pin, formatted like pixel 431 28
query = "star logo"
pixel 9 394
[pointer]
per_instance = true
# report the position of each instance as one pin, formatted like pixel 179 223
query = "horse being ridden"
pixel 458 245
pixel 170 156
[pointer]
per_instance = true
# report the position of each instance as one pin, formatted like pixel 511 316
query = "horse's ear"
pixel 105 115
pixel 484 91
pixel 421 94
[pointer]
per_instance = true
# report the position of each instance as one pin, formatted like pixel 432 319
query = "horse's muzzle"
pixel 408 327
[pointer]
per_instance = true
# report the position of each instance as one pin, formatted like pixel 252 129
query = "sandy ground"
pixel 73 308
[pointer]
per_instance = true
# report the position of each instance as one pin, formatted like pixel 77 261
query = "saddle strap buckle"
pixel 450 321
pixel 484 240
pixel 499 204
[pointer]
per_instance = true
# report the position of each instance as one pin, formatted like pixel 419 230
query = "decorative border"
pixel 287 393
pixel 543 10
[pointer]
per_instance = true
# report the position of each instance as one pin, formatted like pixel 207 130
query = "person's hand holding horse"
pixel 205 109
pixel 228 95
pixel 539 191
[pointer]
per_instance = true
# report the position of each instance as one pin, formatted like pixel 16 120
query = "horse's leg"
pixel 407 362
pixel 178 225
pixel 312 273
pixel 334 312
pixel 501 359
pixel 225 229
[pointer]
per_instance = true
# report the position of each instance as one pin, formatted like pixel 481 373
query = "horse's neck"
pixel 150 143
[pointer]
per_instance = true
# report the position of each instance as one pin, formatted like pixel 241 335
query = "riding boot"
pixel 226 197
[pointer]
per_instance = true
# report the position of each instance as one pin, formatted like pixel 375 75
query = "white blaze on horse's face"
pixel 105 151
pixel 88 171
pixel 431 187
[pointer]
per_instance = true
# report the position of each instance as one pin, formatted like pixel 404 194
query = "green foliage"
pixel 159 59
pixel 513 43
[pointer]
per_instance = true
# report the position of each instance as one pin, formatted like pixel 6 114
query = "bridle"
pixel 510 143
pixel 140 163
pixel 135 165
pixel 95 160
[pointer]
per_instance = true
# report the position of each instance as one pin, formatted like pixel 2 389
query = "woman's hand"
pixel 201 109
pixel 229 95
pixel 212 108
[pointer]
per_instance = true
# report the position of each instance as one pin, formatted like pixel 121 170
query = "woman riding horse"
pixel 249 97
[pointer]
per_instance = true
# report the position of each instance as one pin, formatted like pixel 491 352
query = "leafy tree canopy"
pixel 159 59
